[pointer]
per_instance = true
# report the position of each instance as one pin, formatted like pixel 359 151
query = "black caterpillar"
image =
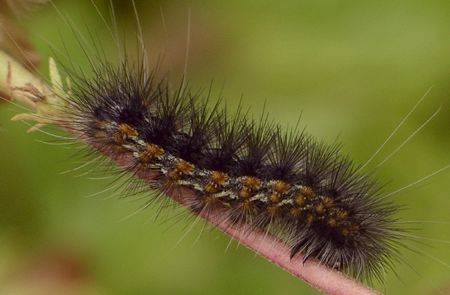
pixel 287 183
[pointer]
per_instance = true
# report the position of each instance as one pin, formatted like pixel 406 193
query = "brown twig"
pixel 19 82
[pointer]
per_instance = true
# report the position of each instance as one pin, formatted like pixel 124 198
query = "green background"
pixel 351 68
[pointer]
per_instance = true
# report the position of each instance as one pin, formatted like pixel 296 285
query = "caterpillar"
pixel 285 183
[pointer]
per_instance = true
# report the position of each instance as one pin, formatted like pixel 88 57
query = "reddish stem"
pixel 317 275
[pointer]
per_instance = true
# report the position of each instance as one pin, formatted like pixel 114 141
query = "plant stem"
pixel 14 77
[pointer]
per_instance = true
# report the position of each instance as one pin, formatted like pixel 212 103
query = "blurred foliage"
pixel 351 69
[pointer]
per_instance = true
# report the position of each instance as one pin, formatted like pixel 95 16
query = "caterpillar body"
pixel 254 172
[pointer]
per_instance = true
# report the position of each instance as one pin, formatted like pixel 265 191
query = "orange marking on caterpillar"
pixel 328 202
pixel 218 177
pixel 300 200
pixel 124 132
pixel 280 186
pixel 320 209
pixel 151 151
pixel 308 192
pixel 245 192
pixel 275 197
pixel 251 182
pixel 211 188
pixel 184 167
